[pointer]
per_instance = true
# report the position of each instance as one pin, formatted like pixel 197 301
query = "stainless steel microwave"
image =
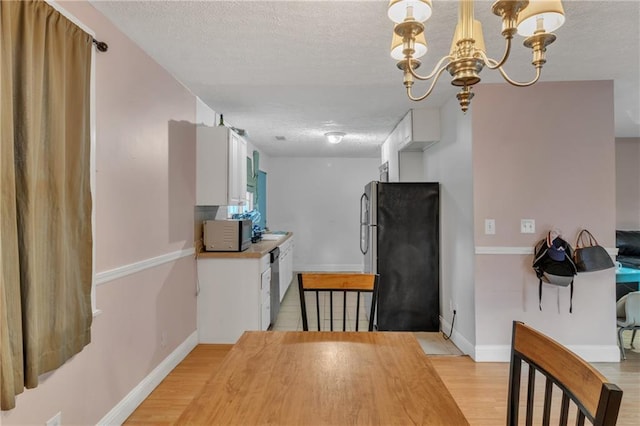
pixel 227 235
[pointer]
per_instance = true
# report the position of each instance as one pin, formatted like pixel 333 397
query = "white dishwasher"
pixel 274 258
pixel 265 296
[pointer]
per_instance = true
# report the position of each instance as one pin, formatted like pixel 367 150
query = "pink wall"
pixel 545 153
pixel 540 155
pixel 145 193
pixel 628 183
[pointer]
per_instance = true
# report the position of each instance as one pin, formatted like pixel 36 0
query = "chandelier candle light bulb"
pixel 397 47
pixel 420 10
pixel 534 19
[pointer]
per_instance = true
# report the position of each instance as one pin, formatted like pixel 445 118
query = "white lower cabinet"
pixel 234 296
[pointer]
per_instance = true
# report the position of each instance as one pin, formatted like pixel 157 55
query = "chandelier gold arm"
pixel 514 82
pixel 436 69
pixel 488 61
pixel 508 10
pixel 538 44
pixel 437 74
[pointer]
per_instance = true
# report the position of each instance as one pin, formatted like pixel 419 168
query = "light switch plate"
pixel 489 226
pixel 527 226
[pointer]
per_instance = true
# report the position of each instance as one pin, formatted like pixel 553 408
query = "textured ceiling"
pixel 299 69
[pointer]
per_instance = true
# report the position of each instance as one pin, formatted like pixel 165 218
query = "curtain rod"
pixel 101 45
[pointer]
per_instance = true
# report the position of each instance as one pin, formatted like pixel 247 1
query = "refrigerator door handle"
pixel 364 229
pixel 364 238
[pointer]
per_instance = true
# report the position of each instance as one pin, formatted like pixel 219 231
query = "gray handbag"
pixel 589 255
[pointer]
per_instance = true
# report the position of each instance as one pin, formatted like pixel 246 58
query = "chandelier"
pixel 533 19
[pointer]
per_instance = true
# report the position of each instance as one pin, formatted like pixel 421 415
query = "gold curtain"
pixel 45 198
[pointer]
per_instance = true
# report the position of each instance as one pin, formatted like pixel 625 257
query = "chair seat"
pixel 622 322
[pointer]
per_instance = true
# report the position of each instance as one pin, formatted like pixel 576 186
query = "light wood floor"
pixel 479 388
pixel 167 402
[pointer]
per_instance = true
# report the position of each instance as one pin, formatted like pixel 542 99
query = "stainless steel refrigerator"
pixel 399 237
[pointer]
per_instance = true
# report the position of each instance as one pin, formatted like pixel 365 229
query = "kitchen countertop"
pixel 257 250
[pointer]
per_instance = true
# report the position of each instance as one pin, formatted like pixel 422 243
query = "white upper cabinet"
pixel 221 167
pixel 237 170
pixel 418 130
pixel 389 153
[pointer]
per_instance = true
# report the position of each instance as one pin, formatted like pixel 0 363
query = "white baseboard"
pixel 129 403
pixel 502 353
pixel 328 267
pixel 597 353
pixel 492 353
pixel 590 353
pixel 458 339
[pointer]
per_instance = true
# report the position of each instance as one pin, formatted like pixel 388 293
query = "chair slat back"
pixel 579 382
pixel 343 283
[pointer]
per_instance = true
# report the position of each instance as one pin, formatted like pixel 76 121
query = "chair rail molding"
pixel 522 250
pixel 122 271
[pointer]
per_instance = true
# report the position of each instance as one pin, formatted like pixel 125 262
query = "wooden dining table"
pixel 324 378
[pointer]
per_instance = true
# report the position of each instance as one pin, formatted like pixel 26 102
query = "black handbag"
pixel 589 256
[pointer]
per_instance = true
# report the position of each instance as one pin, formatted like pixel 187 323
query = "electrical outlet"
pixel 55 420
pixel 527 226
pixel 489 226
pixel 163 339
pixel 450 305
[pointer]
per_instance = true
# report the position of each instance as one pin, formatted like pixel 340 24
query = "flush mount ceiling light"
pixel 534 19
pixel 334 137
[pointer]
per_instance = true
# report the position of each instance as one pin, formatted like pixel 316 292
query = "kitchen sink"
pixel 272 237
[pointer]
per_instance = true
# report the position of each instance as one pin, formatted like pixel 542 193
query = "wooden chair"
pixel 579 382
pixel 349 283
